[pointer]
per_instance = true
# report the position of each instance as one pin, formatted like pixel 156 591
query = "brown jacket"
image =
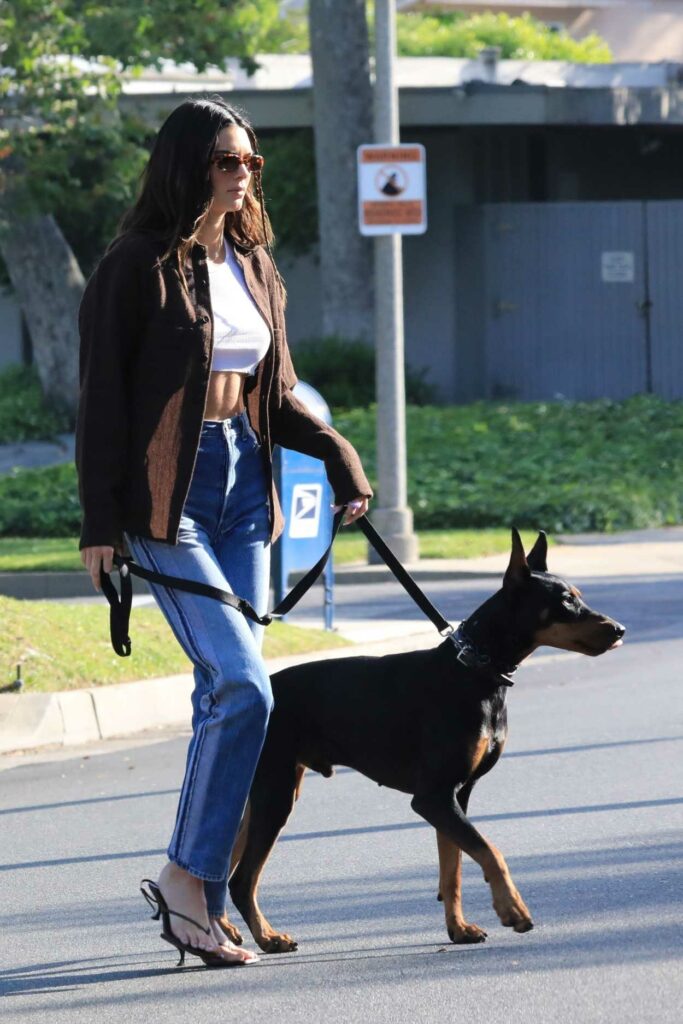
pixel 145 361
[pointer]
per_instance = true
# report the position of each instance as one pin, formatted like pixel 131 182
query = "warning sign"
pixel 304 516
pixel 391 190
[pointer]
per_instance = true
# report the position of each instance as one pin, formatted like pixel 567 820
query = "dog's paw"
pixel 275 943
pixel 229 929
pixel 513 912
pixel 465 933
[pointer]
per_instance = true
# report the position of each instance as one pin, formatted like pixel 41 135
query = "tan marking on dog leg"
pixel 245 883
pixel 241 840
pixel 450 887
pixel 266 937
pixel 481 749
pixel 300 772
pixel 229 929
pixel 507 902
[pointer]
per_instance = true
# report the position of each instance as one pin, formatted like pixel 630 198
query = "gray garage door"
pixel 664 259
pixel 580 300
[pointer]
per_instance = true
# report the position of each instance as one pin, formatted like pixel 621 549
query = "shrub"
pixel 40 503
pixel 24 413
pixel 562 467
pixel 344 372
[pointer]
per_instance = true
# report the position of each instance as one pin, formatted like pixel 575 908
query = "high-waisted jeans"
pixel 224 540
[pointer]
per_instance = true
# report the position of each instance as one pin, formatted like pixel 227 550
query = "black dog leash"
pixel 120 606
pixel 403 576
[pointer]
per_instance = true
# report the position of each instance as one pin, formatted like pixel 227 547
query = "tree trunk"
pixel 48 284
pixel 342 118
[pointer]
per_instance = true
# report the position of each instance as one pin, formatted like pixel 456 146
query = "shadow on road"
pixel 549 812
pixel 155 793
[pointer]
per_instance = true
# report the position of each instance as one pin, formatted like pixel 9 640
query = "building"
pixel 555 208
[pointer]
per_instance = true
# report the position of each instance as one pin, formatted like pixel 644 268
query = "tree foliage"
pixel 65 146
pixel 71 155
pixel 521 38
pixel 289 180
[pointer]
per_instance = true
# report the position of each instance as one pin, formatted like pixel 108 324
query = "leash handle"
pixel 119 609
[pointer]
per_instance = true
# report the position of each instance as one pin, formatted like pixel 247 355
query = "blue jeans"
pixel 224 540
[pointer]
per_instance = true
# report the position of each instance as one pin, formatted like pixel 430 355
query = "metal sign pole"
pixel 393 518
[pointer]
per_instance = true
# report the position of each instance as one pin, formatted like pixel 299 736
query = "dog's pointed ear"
pixel 518 570
pixel 537 557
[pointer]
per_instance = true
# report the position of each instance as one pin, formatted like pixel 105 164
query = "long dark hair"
pixel 175 192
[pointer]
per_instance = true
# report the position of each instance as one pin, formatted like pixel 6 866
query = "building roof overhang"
pixel 438 91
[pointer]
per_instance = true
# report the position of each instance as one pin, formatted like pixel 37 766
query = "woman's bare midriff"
pixel 225 396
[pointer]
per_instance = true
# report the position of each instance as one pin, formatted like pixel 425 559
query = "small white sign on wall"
pixel 618 267
pixel 304 515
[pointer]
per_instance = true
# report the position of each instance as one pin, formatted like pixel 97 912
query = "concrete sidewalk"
pixel 33 720
pixel 585 556
pixel 37 454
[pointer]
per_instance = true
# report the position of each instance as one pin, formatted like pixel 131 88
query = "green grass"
pixel 39 554
pixel 60 554
pixel 64 647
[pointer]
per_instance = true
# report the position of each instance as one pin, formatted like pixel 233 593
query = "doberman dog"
pixel 429 723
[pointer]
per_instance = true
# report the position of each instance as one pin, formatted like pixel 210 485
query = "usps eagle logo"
pixel 304 515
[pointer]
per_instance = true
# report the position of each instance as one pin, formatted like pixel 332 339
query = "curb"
pixel 71 717
pixel 45 586
pixel 381 574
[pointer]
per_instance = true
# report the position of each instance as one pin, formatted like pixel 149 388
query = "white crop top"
pixel 240 334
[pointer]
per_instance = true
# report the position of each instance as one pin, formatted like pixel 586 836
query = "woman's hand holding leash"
pixel 95 559
pixel 354 509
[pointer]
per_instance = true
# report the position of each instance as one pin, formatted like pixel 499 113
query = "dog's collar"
pixel 469 656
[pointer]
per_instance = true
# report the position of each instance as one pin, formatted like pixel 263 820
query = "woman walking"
pixel 186 387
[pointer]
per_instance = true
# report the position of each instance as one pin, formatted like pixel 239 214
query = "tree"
pixel 59 89
pixel 342 112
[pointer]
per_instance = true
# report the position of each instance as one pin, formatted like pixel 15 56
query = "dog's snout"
pixel 619 630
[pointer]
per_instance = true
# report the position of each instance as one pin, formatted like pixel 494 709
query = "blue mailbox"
pixel 306 498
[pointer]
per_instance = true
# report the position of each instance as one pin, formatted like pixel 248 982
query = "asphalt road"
pixel 587 805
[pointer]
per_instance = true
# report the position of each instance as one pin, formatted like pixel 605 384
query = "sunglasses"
pixel 230 162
